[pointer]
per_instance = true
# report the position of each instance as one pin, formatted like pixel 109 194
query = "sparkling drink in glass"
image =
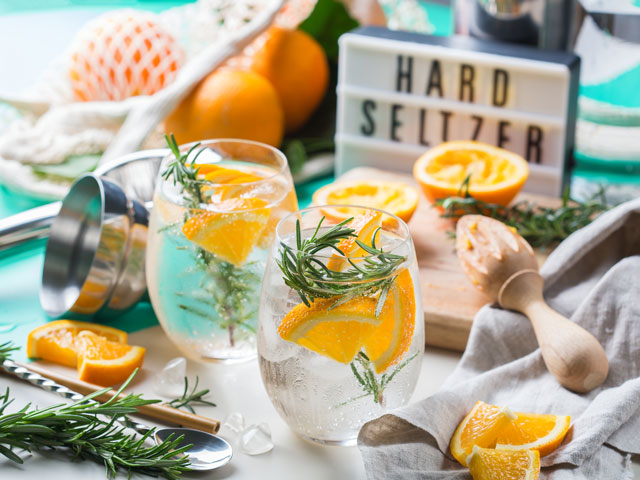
pixel 341 331
pixel 216 206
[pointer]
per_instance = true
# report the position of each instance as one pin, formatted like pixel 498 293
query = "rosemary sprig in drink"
pixel 88 430
pixel 540 226
pixel 312 279
pixel 193 397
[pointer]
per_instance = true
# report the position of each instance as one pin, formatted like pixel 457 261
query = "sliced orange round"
pixel 364 226
pixel 536 431
pixel 397 198
pixel 496 174
pixel 337 333
pixel 480 427
pixel 231 233
pixel 490 464
pixel 57 341
pixel 104 362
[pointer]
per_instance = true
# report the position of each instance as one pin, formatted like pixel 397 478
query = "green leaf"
pixel 70 169
pixel 296 154
pixel 328 20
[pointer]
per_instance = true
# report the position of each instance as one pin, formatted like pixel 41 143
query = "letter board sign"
pixel 401 93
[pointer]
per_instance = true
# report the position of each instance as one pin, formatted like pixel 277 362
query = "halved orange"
pixel 397 198
pixel 57 341
pixel 480 427
pixel 232 232
pixel 340 332
pixel 496 174
pixel 490 464
pixel 364 227
pixel 104 362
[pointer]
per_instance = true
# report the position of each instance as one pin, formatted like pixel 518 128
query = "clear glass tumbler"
pixel 215 210
pixel 341 330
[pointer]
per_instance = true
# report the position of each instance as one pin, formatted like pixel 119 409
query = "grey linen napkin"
pixel 593 278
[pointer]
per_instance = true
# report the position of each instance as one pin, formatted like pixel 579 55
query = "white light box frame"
pixel 401 93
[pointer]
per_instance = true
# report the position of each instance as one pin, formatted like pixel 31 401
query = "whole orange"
pixel 297 67
pixel 229 104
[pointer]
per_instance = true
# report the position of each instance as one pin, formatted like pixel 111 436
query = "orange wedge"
pixel 337 333
pixel 57 341
pixel 232 233
pixel 392 338
pixel 104 362
pixel 394 197
pixel 480 427
pixel 497 175
pixel 340 332
pixel 364 227
pixel 490 464
pixel 535 431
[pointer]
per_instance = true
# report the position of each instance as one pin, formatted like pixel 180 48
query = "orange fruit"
pixel 104 362
pixel 480 427
pixel 535 431
pixel 232 232
pixel 122 54
pixel 57 341
pixel 297 67
pixel 340 332
pixel 337 333
pixel 392 338
pixel 227 181
pixel 494 426
pixel 397 198
pixel 490 464
pixel 496 174
pixel 364 226
pixel 229 104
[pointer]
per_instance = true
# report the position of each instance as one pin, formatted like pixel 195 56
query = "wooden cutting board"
pixel 450 301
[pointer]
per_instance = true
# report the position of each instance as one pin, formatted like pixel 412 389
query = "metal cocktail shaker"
pixel 547 24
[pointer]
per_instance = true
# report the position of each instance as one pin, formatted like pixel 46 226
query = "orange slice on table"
pixel 397 198
pixel 341 332
pixel 497 175
pixel 493 426
pixel 490 464
pixel 231 233
pixel 57 341
pixel 104 362
pixel 364 227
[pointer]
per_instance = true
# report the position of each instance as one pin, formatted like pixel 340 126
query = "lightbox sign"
pixel 401 93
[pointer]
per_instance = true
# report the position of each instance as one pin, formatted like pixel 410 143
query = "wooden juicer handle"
pixel 572 355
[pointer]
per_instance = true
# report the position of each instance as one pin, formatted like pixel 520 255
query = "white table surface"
pixel 235 388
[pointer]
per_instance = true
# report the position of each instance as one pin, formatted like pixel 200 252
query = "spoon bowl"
pixel 208 452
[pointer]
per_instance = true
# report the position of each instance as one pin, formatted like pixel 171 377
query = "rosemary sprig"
pixel 371 384
pixel 540 226
pixel 182 173
pixel 311 278
pixel 88 430
pixel 193 397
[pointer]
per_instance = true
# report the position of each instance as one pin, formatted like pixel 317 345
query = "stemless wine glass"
pixel 341 329
pixel 213 220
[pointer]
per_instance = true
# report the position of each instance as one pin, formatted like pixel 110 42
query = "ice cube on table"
pixel 256 439
pixel 169 381
pixel 232 426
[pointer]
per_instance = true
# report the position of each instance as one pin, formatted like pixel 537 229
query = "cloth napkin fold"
pixel 593 278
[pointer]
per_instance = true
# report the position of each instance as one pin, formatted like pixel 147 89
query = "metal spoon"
pixel 208 452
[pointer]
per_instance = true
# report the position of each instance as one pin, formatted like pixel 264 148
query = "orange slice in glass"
pixel 104 362
pixel 364 227
pixel 57 341
pixel 393 197
pixel 497 175
pixel 480 427
pixel 490 464
pixel 233 232
pixel 392 338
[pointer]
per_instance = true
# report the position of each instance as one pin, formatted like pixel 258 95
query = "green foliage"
pixel 326 23
pixel 195 396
